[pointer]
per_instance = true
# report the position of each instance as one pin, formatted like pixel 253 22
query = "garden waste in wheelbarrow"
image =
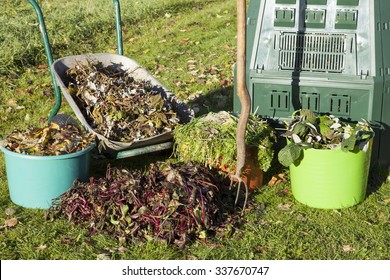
pixel 108 145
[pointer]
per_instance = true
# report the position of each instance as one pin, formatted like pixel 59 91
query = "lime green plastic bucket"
pixel 33 181
pixel 331 179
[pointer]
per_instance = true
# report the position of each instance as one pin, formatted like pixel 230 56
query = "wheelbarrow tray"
pixel 105 145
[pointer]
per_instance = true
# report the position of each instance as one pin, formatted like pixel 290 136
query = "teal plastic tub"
pixel 33 181
pixel 331 179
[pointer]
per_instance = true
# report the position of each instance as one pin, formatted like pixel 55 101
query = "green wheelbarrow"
pixel 58 68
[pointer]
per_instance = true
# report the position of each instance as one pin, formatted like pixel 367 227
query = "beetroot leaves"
pixel 174 203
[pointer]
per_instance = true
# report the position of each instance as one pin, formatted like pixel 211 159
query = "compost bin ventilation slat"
pixel 312 52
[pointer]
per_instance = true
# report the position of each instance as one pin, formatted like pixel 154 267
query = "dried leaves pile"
pixel 172 203
pixel 50 140
pixel 117 106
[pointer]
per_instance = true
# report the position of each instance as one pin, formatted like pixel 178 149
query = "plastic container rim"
pixel 59 157
pixel 356 148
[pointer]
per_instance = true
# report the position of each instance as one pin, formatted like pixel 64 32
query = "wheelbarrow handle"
pixel 49 56
pixel 118 26
pixel 42 28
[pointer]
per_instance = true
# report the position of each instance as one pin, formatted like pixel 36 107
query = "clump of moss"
pixel 211 140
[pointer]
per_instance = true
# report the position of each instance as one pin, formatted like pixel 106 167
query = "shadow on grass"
pixel 377 177
pixel 220 99
pixel 141 162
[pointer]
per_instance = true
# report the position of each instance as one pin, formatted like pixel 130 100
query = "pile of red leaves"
pixel 173 203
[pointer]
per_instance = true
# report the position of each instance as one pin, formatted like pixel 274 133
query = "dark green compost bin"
pixel 330 56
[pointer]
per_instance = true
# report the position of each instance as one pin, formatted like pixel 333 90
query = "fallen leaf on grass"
pixel 20 91
pixel 202 234
pixel 283 192
pixel 67 241
pixel 224 82
pixel 191 62
pixel 383 216
pixel 284 207
pixel 276 179
pixel 337 212
pixel 9 211
pixel 122 249
pixel 184 41
pixel 301 218
pixel 260 250
pixel 40 248
pixel 347 248
pixel 30 90
pixel 46 93
pixel 103 256
pixel 12 102
pixel 264 223
pixel 11 222
pixel 384 202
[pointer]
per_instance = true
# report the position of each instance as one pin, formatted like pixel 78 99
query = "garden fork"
pixel 243 96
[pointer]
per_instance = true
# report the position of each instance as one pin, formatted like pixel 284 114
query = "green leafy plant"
pixel 308 130
pixel 211 140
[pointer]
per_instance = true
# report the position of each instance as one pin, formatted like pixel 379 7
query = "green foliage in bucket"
pixel 308 130
pixel 211 140
pixel 49 140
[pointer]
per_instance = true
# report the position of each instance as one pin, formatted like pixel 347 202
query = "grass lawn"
pixel 189 45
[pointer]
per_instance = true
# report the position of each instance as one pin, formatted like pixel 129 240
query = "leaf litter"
pixel 10 211
pixel 118 106
pixel 49 140
pixel 11 222
pixel 173 203
pixel 40 247
pixel 276 179
pixel 347 248
pixel 284 206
